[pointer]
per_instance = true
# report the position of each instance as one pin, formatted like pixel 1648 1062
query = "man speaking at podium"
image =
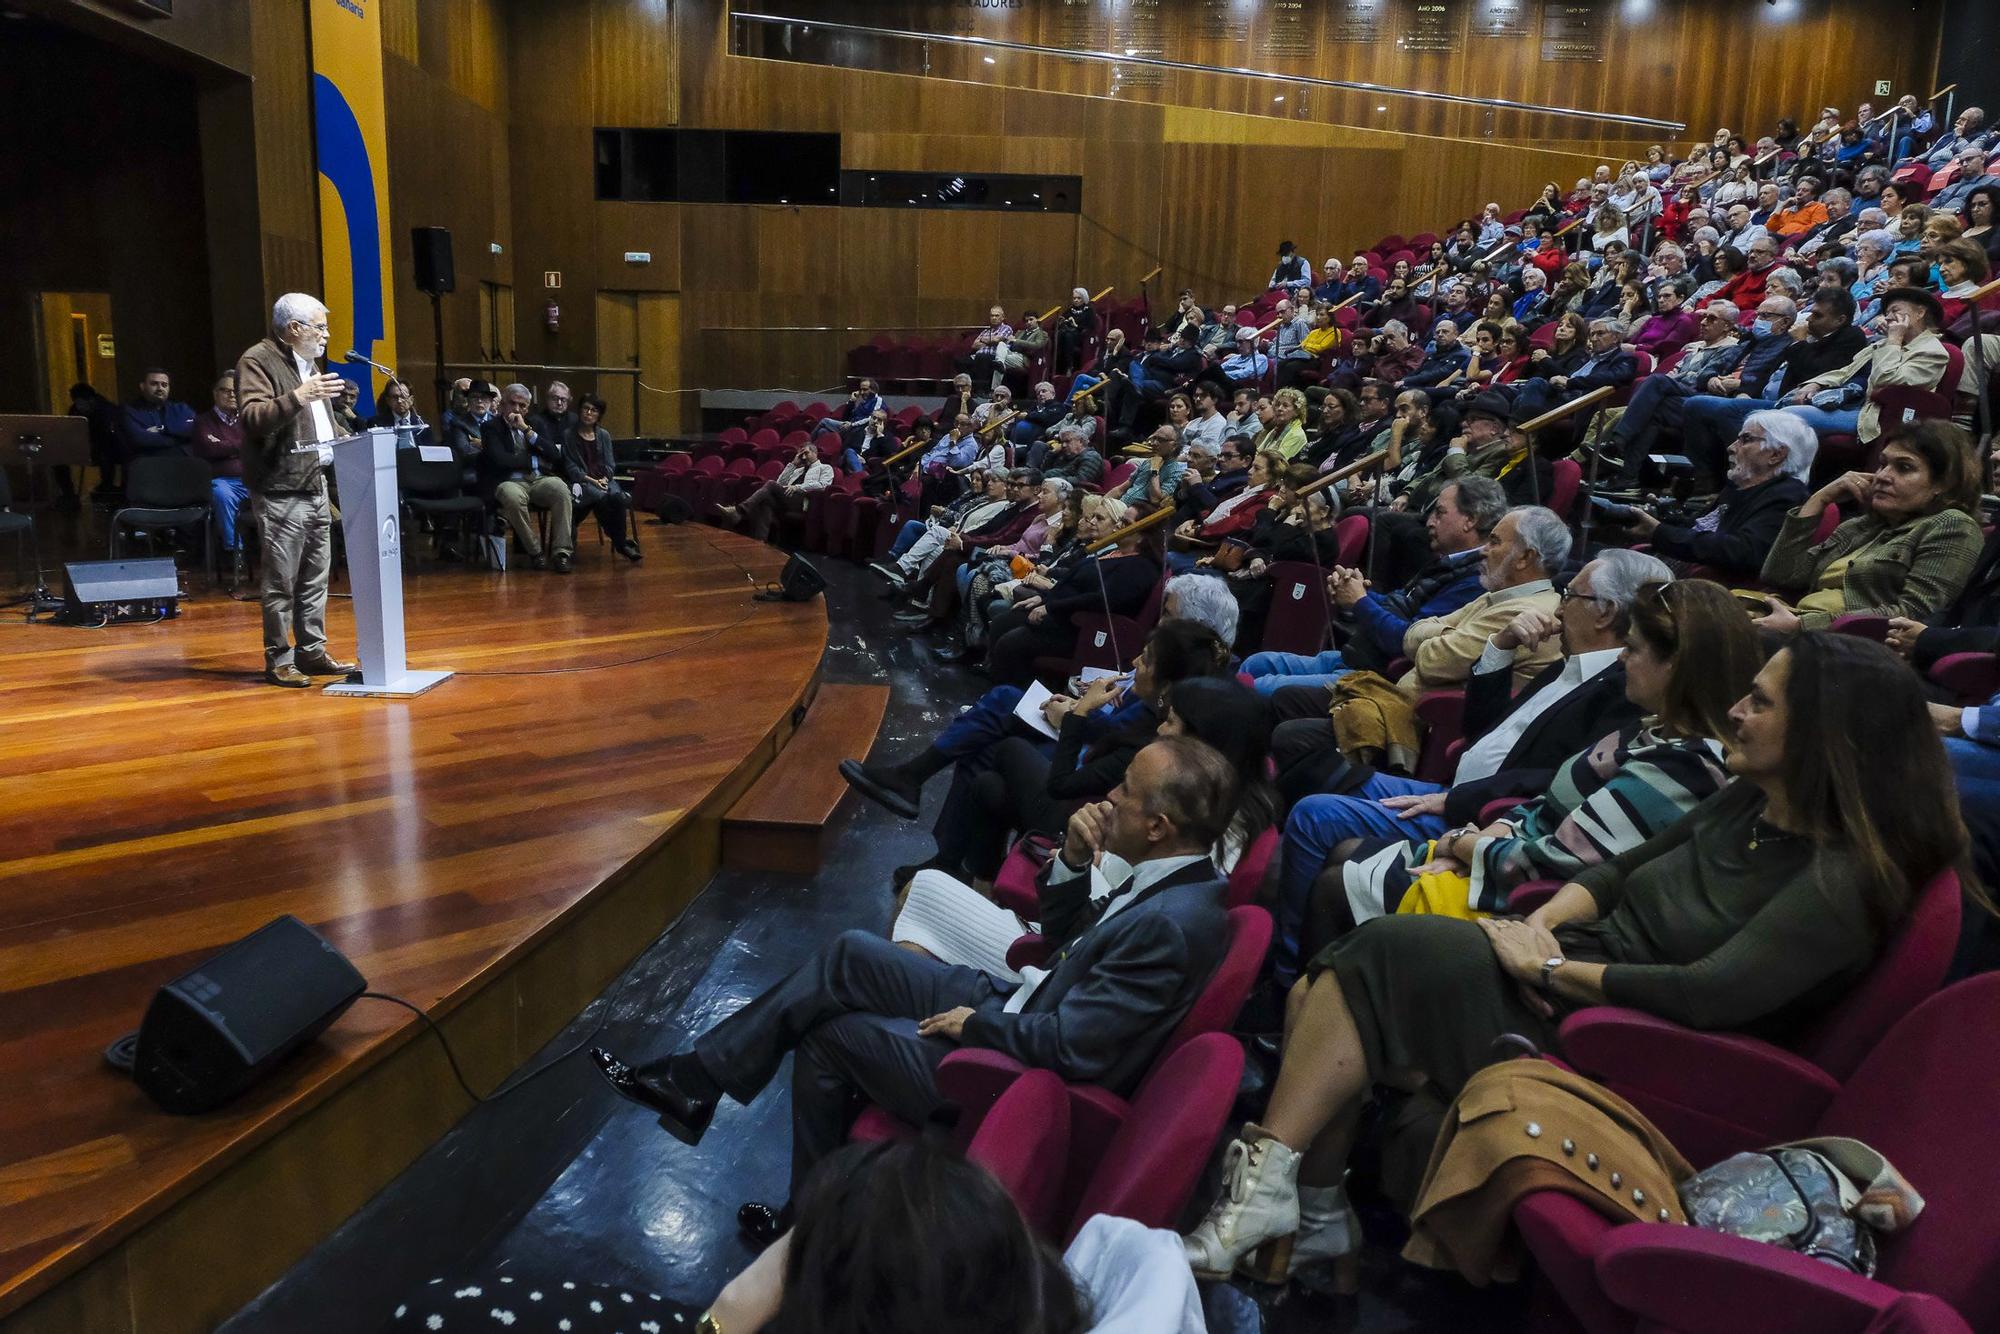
pixel 283 397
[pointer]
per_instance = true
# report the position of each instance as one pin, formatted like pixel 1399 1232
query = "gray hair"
pixel 1071 433
pixel 1542 531
pixel 1784 304
pixel 1792 434
pixel 1045 384
pixel 1881 238
pixel 1668 248
pixel 1082 292
pixel 1621 573
pixel 1061 485
pixel 1726 309
pixel 1788 280
pixel 1842 267
pixel 555 385
pixel 1395 327
pixel 1206 600
pixel 300 306
pixel 518 387
pixel 1619 327
pixel 1480 499
pixel 1707 234
pixel 1837 196
pixel 1871 219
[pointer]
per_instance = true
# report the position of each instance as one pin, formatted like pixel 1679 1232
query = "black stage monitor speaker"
pixel 797 582
pixel 215 1031
pixel 96 583
pixel 431 249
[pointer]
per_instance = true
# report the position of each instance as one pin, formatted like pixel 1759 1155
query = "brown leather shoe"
pixel 327 666
pixel 287 675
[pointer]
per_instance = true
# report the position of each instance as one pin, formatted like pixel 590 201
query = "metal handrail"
pixel 1159 62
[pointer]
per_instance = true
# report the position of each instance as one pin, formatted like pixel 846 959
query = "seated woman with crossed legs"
pixel 1768 902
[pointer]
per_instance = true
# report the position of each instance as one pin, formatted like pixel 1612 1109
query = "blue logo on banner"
pixel 343 160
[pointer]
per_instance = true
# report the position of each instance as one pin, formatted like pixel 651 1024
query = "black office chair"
pixel 17 524
pixel 437 491
pixel 166 492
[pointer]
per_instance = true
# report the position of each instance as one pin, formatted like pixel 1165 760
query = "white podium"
pixel 371 518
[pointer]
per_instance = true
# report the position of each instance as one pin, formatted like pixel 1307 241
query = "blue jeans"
pixel 1709 422
pixel 1271 672
pixel 850 460
pixel 228 494
pixel 1839 421
pixel 1317 826
pixel 1182 562
pixel 981 725
pixel 907 538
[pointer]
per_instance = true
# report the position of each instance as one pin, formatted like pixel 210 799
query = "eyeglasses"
pixel 1743 437
pixel 1571 595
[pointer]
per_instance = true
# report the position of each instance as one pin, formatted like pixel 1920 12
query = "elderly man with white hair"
pixel 1768 464
pixel 283 403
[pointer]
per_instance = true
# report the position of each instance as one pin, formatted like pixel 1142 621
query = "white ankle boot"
pixel 1259 1203
pixel 1329 1232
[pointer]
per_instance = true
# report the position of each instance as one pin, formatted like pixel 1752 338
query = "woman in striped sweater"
pixel 1688 657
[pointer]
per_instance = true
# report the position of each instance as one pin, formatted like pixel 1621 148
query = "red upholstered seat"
pixel 1923 1097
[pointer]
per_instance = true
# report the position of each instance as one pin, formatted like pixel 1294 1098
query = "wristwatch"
pixel 1549 967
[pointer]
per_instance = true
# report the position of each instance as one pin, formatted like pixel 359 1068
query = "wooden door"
pixel 75 341
pixel 642 330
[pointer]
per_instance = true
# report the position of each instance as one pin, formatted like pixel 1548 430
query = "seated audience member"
pixel 1969 623
pixel 1003 532
pixel 1342 436
pixel 1516 742
pixel 954 923
pixel 1962 270
pixel 1392 353
pixel 1799 214
pixel 1524 549
pixel 1841 220
pixel 1235 513
pixel 1245 368
pixel 1657 401
pixel 983 363
pixel 1972 174
pixel 1466 511
pixel 519 468
pixel 921 541
pixel 1075 460
pixel 1293 268
pixel 1037 419
pixel 1689 656
pixel 961 401
pixel 863 402
pixel 398 412
pixel 1030 341
pixel 1218 336
pixel 1910 353
pixel 1117 582
pixel 154 422
pixel 906 1237
pixel 1608 365
pixel 217 439
pixel 1023 785
pixel 872 442
pixel 1446 358
pixel 1332 288
pixel 1207 428
pixel 1965 132
pixel 1286 431
pixel 1293 525
pixel 1907 552
pixel 345 408
pixel 1124 977
pixel 1076 330
pixel 1755 913
pixel 1150 378
pixel 591 465
pixel 1158 476
pixel 1668 324
pixel 1771 360
pixel 465 426
pixel 994 410
pixel 1982 211
pixel 1769 462
pixel 556 419
pixel 942 469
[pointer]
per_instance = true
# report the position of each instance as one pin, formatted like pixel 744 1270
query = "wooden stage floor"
pixel 158 801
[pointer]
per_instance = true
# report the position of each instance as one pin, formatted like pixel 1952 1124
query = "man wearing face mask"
pixel 288 430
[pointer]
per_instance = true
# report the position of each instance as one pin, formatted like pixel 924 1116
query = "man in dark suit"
pixel 520 468
pixel 867 1020
pixel 1514 745
pixel 1609 365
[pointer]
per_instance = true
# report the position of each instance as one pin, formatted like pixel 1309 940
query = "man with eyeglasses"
pixel 288 432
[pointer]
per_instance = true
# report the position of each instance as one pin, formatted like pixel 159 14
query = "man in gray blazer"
pixel 866 1018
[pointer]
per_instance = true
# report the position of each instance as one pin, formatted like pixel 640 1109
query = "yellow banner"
pixel 353 158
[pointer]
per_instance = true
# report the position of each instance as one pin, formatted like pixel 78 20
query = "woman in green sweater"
pixel 1907 552
pixel 1762 906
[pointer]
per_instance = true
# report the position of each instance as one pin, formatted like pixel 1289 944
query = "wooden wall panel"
pixel 1705 62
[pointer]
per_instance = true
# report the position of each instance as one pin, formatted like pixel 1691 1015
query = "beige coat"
pixel 1444 648
pixel 1523 1126
pixel 1919 364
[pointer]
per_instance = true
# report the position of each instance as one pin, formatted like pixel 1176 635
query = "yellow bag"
pixel 1440 893
pixel 1373 723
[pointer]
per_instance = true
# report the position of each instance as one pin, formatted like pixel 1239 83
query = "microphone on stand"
pixel 353 356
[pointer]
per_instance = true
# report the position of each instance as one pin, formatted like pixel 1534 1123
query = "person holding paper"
pixel 288 431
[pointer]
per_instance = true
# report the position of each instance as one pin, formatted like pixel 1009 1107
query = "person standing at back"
pixel 284 399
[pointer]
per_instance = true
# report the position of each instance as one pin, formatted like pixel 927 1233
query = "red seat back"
pixel 1300 607
pixel 1024 1143
pixel 1152 1164
pixel 1350 538
pixel 1221 1000
pixel 1909 970
pixel 1924 1098
pixel 1251 867
pixel 1568 474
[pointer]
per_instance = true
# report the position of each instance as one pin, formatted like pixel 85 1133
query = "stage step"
pixel 777 825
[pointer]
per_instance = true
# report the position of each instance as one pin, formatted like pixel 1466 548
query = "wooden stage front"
pixel 494 851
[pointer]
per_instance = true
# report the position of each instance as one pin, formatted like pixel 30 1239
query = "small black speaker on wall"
pixel 216 1030
pixel 430 247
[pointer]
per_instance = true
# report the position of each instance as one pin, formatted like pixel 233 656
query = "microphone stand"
pixel 38 600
